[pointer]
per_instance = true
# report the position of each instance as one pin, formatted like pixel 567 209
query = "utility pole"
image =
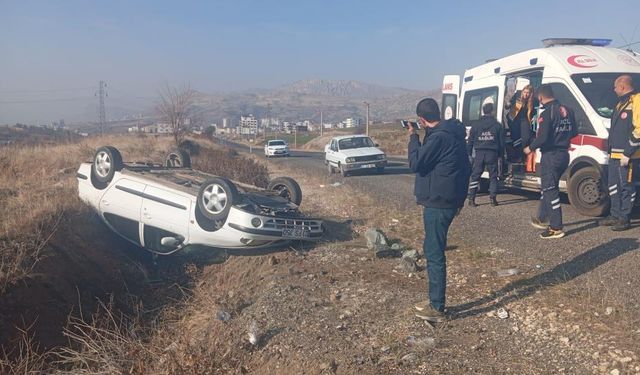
pixel 268 120
pixel 367 125
pixel 321 124
pixel 102 115
pixel 295 137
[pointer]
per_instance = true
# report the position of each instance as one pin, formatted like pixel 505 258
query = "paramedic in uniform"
pixel 487 139
pixel 556 127
pixel 624 151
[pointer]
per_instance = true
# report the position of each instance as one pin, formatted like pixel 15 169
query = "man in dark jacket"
pixel 442 172
pixel 624 152
pixel 556 127
pixel 486 137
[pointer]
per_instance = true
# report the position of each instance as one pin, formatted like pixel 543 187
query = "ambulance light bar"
pixel 576 42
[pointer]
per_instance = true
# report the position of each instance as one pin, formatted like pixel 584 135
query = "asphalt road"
pixel 505 229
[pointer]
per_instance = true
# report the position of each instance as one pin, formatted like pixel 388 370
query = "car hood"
pixel 362 151
pixel 277 147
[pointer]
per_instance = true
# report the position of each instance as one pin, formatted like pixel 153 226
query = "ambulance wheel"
pixel 587 192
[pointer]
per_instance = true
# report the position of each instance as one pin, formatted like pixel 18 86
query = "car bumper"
pixel 366 165
pixel 271 228
pixel 277 152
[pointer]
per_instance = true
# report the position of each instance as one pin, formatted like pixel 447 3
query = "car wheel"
pixel 106 161
pixel 287 188
pixel 215 198
pixel 587 193
pixel 178 159
pixel 343 171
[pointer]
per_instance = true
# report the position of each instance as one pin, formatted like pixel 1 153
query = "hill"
pixel 303 100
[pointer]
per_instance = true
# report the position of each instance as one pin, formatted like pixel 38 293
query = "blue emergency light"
pixel 575 42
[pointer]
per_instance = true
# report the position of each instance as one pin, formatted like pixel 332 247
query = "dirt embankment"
pixel 59 264
pixel 334 307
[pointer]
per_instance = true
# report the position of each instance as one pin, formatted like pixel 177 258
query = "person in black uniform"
pixel 486 136
pixel 624 150
pixel 556 127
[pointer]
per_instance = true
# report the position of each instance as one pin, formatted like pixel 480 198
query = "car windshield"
pixel 598 89
pixel 355 142
pixel 276 143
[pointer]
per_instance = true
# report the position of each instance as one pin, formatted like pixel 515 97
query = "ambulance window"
pixel 474 100
pixel 564 96
pixel 449 106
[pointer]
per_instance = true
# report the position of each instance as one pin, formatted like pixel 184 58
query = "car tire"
pixel 106 161
pixel 587 192
pixel 287 188
pixel 178 158
pixel 216 197
pixel 343 171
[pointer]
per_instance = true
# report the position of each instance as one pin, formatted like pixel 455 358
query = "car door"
pixel 332 152
pixel 164 214
pixel 121 208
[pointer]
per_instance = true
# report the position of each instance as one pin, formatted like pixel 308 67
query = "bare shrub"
pixel 110 343
pixel 175 108
pixel 25 357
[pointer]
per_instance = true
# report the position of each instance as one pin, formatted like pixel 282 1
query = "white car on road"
pixel 352 153
pixel 171 207
pixel 276 147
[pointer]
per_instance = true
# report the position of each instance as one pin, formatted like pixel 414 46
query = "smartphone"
pixel 406 124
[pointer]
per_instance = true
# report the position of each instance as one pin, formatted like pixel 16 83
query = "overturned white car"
pixel 173 207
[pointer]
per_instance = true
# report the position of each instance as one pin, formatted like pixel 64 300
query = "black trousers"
pixel 488 159
pixel 552 166
pixel 621 191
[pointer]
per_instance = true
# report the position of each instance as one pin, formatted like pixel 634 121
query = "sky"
pixel 53 53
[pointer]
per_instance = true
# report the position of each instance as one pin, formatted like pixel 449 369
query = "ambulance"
pixel 581 73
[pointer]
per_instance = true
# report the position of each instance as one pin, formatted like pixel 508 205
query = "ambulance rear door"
pixel 450 94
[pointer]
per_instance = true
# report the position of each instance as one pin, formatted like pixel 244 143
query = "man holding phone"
pixel 442 171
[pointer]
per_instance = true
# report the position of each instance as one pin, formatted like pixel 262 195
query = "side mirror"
pixel 171 241
pixel 377 145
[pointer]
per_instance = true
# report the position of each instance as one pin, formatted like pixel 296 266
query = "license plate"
pixel 368 166
pixel 295 233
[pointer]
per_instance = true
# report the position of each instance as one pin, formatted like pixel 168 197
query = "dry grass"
pixel 110 343
pixel 24 358
pixel 227 163
pixel 38 185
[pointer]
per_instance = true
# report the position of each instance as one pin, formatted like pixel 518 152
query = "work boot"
pixel 622 225
pixel 552 233
pixel 431 315
pixel 472 203
pixel 539 224
pixel 608 221
pixel 494 201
